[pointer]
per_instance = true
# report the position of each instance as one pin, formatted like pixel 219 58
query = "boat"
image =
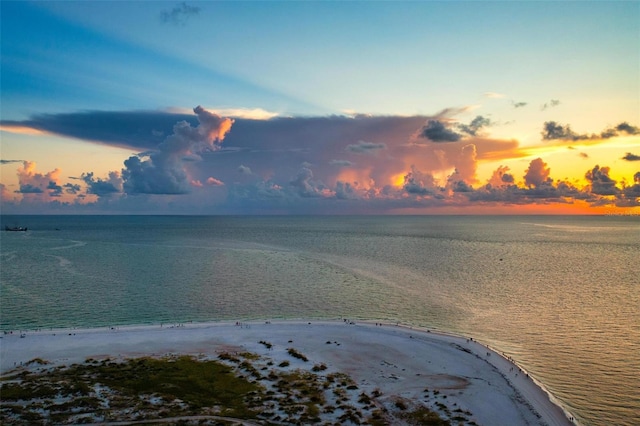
pixel 15 228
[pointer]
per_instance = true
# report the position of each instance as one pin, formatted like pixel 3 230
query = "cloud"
pixel 43 185
pixel 180 14
pixel 341 163
pixel 215 182
pixel 10 161
pixel 583 155
pixel 71 188
pixel 501 177
pixel 102 187
pixel 631 157
pixel 305 185
pixel 344 191
pixel 244 170
pixel 627 128
pixel 493 95
pixel 164 172
pixel 130 129
pixel 363 147
pixel 437 131
pixel 475 126
pixel 537 174
pixel 600 181
pixel 551 104
pixel 54 189
pixel 419 183
pixel 517 105
pixel 465 166
pixel 248 113
pixel 201 162
pixel 28 188
pixel 555 131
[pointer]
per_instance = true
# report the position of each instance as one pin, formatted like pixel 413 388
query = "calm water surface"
pixel 558 294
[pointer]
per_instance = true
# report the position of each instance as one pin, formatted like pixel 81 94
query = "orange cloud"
pixel 22 130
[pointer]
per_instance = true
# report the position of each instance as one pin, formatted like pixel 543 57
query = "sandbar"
pixel 398 361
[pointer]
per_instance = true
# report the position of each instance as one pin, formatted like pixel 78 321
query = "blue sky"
pixel 516 65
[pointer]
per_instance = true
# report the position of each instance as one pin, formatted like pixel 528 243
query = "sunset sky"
pixel 320 107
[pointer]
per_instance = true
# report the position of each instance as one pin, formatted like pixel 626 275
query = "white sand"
pixel 396 360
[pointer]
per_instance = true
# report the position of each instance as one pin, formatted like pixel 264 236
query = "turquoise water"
pixel 558 294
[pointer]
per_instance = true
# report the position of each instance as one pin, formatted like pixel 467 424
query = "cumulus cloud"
pixel 600 181
pixel 517 105
pixel 345 191
pixel 32 182
pixel 164 172
pixel 304 184
pixel 419 183
pixel 27 188
pixel 71 188
pixel 630 194
pixel 437 131
pixel 555 131
pixel 475 126
pixel 179 14
pixel 627 128
pixel 466 165
pixel 54 189
pixel 537 174
pixel 101 187
pixel 501 177
pixel 442 131
pixel 631 157
pixel 300 164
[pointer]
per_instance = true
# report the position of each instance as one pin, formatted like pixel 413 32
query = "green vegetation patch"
pixel 182 385
pixel 424 416
pixel 197 383
pixel 294 353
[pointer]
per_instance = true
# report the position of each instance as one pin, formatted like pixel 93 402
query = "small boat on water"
pixel 15 228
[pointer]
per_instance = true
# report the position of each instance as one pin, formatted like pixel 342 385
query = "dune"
pixel 439 371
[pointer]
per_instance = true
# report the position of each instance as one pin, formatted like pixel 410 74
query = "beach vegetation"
pixel 39 361
pixel 400 405
pixel 226 356
pixel 266 344
pixel 294 353
pixel 319 367
pixel 183 383
pixel 172 387
pixel 424 416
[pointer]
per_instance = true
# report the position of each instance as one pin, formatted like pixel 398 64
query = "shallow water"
pixel 558 294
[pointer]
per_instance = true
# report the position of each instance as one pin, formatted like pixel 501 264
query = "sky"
pixel 320 107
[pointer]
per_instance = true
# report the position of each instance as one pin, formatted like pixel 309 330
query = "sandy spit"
pixel 396 360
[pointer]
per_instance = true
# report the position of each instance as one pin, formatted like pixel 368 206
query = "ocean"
pixel 559 294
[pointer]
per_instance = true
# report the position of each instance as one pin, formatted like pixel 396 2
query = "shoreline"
pixel 396 358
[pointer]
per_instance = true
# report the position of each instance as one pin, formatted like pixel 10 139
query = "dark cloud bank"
pixel 204 163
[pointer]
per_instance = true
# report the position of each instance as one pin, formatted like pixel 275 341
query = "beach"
pixel 421 366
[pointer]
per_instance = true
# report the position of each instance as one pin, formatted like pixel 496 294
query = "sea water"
pixel 558 294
